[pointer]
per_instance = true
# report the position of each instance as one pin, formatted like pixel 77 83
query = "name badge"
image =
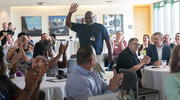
pixel 116 47
pixel 92 38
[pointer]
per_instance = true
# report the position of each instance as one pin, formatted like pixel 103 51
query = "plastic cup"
pixel 163 62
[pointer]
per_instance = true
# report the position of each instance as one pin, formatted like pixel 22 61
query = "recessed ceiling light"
pixel 109 1
pixel 40 3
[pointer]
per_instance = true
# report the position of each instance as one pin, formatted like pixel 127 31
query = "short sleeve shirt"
pixel 85 32
pixel 127 60
pixel 7 88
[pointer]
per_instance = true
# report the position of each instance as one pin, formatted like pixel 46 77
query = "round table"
pixel 53 90
pixel 153 77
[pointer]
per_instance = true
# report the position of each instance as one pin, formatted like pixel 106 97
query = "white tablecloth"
pixel 155 78
pixel 53 90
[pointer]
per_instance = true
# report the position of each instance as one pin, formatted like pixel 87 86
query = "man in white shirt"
pixel 158 51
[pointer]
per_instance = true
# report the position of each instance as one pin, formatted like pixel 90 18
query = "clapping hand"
pixel 146 59
pixel 73 7
pixel 4 33
pixel 20 44
pixel 66 46
pixel 122 39
pixel 116 81
pixel 33 76
pixel 61 49
pixel 43 64
pixel 16 44
pixel 14 29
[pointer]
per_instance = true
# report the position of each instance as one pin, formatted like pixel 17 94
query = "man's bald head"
pixel 166 39
pixel 89 18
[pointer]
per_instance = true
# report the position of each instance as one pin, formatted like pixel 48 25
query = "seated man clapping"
pixel 84 81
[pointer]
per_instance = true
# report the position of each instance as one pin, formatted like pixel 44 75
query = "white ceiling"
pixel 68 2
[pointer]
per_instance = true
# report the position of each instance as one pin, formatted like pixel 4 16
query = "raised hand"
pixel 146 59
pixel 43 64
pixel 73 7
pixel 61 49
pixel 116 81
pixel 20 44
pixel 14 29
pixel 122 39
pixel 4 33
pixel 32 77
pixel 16 44
pixel 66 46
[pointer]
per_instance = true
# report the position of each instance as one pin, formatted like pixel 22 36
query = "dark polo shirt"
pixel 127 60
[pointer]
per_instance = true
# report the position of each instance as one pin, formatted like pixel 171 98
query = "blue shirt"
pixel 82 84
pixel 86 31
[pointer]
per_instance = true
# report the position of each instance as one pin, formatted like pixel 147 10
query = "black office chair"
pixel 130 81
pixel 73 56
pixel 65 98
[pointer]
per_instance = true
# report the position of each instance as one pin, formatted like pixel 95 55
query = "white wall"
pixel 4 15
pixel 45 11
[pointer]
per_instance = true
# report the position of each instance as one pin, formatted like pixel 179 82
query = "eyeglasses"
pixel 136 44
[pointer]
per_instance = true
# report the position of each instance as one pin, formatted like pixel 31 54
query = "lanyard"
pixel 3 96
pixel 91 27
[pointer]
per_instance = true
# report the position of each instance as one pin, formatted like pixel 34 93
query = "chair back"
pixel 115 60
pixel 114 66
pixel 130 80
pixel 105 55
pixel 73 56
pixel 71 65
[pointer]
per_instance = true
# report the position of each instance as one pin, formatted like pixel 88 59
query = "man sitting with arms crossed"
pixel 84 81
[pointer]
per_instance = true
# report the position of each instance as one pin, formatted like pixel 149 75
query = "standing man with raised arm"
pixel 91 33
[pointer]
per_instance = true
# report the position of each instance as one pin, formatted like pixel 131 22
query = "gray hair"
pixel 132 39
pixel 158 33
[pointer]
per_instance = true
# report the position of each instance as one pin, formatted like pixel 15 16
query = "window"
pixel 176 17
pixel 166 17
